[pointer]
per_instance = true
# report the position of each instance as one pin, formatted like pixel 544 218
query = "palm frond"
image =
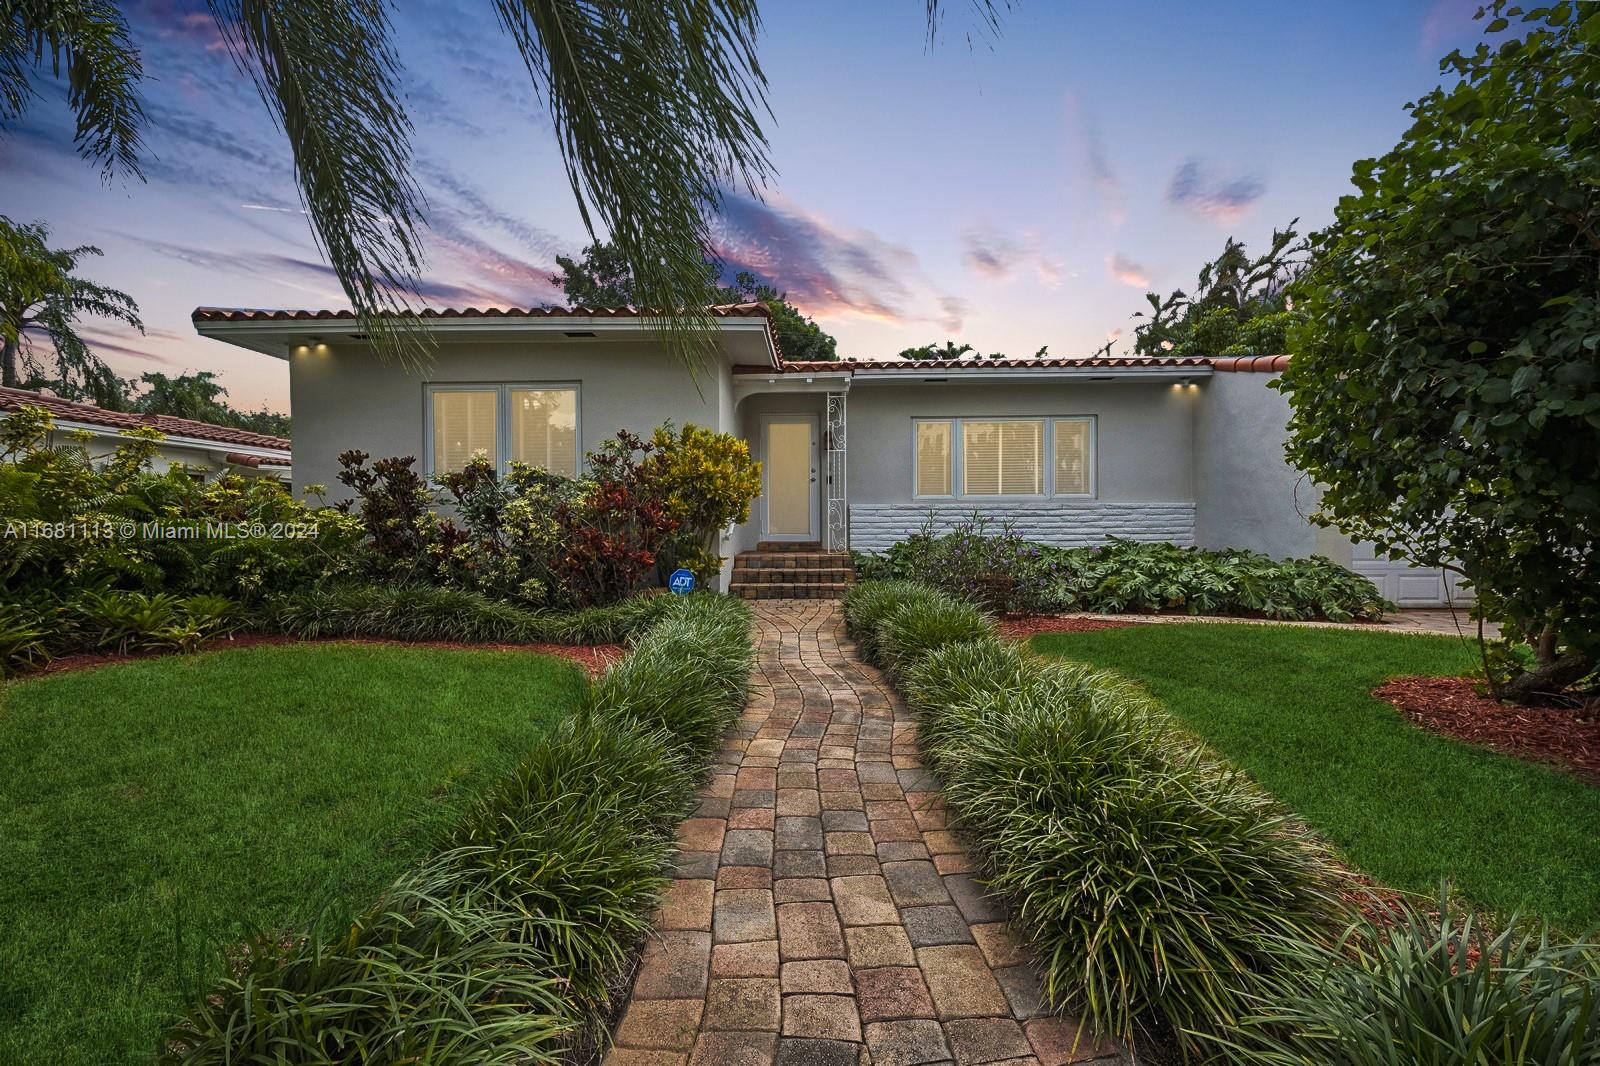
pixel 654 105
pixel 327 72
pixel 87 40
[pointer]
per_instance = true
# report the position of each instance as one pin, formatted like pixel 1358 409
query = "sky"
pixel 1010 190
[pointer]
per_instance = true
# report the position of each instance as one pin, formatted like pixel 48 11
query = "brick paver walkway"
pixel 821 911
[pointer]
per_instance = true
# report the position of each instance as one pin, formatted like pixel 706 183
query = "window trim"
pixel 502 417
pixel 958 448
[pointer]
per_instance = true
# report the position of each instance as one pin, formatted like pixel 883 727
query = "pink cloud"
pixel 1127 271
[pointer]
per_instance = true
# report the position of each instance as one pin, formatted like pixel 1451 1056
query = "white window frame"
pixel 502 416
pixel 958 446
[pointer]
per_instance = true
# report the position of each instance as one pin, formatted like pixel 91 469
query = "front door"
pixel 789 467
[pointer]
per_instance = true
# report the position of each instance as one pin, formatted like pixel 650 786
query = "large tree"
pixel 197 395
pixel 41 301
pixel 1238 306
pixel 655 106
pixel 601 277
pixel 1446 381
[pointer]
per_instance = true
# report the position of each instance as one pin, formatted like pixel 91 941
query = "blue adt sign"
pixel 681 582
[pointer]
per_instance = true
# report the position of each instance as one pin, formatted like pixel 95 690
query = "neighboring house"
pixel 854 454
pixel 202 448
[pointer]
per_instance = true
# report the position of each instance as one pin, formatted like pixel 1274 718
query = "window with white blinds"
pixel 935 470
pixel 999 457
pixel 1072 456
pixel 536 425
pixel 1002 458
pixel 544 429
pixel 465 424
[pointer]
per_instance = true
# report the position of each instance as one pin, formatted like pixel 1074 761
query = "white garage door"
pixel 1405 584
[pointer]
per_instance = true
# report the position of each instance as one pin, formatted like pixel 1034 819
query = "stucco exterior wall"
pixel 1144 480
pixel 347 398
pixel 1246 493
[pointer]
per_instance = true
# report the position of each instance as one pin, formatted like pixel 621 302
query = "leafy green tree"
pixel 601 277
pixel 40 294
pixel 1238 306
pixel 655 108
pixel 949 350
pixel 198 396
pixel 1445 382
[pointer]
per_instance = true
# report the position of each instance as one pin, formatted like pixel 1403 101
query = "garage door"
pixel 1405 584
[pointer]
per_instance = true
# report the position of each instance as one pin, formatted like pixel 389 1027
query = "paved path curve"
pixel 822 912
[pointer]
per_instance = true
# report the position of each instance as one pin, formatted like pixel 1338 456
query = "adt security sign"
pixel 681 582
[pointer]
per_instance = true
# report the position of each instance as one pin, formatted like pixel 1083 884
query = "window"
pixel 1003 457
pixel 1072 456
pixel 933 459
pixel 544 429
pixel 505 423
pixel 464 426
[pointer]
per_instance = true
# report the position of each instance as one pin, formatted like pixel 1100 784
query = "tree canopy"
pixel 41 297
pixel 601 277
pixel 1445 383
pixel 197 395
pixel 1238 307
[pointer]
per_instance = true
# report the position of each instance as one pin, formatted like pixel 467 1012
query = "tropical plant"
pixel 1003 570
pixel 1155 884
pixel 1445 386
pixel 40 293
pixel 198 396
pixel 710 481
pixel 1431 989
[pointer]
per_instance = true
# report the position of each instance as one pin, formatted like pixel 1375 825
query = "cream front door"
pixel 789 464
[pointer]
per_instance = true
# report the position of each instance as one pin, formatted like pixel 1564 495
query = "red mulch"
pixel 594 658
pixel 1565 738
pixel 1021 627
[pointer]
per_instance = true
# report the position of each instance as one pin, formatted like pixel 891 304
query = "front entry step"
pixel 783 571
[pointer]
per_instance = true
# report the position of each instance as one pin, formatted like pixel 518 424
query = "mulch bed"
pixel 1021 627
pixel 1565 738
pixel 594 658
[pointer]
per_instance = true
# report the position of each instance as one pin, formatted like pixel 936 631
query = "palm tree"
pixel 654 104
pixel 39 293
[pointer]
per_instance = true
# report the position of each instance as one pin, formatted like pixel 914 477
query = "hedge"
pixel 1157 886
pixel 509 943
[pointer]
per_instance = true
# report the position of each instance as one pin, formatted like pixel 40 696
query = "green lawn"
pixel 1291 706
pixel 151 812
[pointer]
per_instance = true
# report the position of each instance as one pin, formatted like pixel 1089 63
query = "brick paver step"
pixel 823 910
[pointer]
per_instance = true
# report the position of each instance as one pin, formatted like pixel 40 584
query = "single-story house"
pixel 854 454
pixel 203 449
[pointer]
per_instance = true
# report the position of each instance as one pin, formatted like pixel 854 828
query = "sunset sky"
pixel 1019 191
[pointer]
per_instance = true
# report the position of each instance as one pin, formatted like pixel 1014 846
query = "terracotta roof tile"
pixel 248 314
pixel 1251 364
pixel 11 399
pixel 871 365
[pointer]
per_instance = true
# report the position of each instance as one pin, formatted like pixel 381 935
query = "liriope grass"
pixel 510 942
pixel 1157 886
pixel 1434 990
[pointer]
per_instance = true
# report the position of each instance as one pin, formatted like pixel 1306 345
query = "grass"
pixel 155 812
pixel 1292 706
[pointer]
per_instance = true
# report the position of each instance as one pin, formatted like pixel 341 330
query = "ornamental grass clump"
pixel 870 602
pixel 1156 884
pixel 511 943
pixel 1431 989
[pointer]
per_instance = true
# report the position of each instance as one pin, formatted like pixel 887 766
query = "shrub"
pixel 710 482
pixel 1156 883
pixel 424 612
pixel 869 603
pixel 134 621
pixel 1432 990
pixel 1123 575
pixel 508 944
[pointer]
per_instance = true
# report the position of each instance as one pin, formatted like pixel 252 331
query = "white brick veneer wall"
pixel 874 527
